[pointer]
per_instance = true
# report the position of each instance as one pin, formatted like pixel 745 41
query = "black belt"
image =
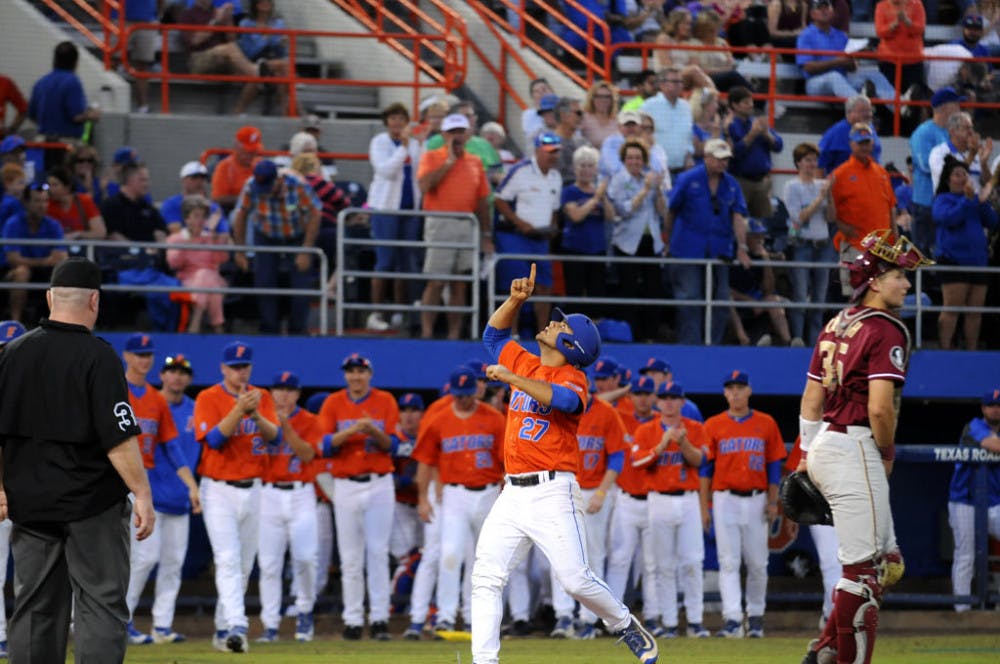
pixel 680 492
pixel 284 486
pixel 637 496
pixel 366 477
pixel 529 480
pixel 240 484
pixel 745 494
pixel 473 488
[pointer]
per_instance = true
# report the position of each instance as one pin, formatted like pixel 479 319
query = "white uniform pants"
pixel 847 468
pixel 166 546
pixel 462 515
pixel 363 516
pixel 597 553
pixel 549 514
pixel 825 539
pixel 287 521
pixel 324 544
pixel 232 520
pixel 741 534
pixel 630 538
pixel 406 530
pixel 5 527
pixel 425 580
pixel 675 527
pixel 962 519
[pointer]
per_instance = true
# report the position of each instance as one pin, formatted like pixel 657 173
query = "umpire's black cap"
pixel 76 273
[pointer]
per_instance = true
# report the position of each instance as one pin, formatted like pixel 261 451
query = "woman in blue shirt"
pixel 960 217
pixel 585 210
pixel 269 48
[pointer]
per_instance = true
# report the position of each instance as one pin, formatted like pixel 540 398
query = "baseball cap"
pixel 991 398
pixel 140 344
pixel 624 375
pixel 193 168
pixel 548 103
pixel 312 121
pixel 670 389
pixel 973 21
pixel 718 148
pixel 757 227
pixel 548 142
pixel 411 401
pixel 264 175
pixel 605 367
pixel 478 367
pixel 125 155
pixel 249 139
pixel 655 364
pixel 643 385
pixel 302 142
pixel 10 144
pixel 626 117
pixel 315 402
pixel 10 330
pixel 286 380
pixel 179 362
pixel 736 376
pixel 861 132
pixel 946 95
pixel 462 382
pixel 356 360
pixel 76 273
pixel 455 121
pixel 237 352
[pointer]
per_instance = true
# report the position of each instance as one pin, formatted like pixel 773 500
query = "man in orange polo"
pixel 862 200
pixel 232 172
pixel 451 180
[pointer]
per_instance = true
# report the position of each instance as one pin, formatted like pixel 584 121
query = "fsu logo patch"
pixel 898 357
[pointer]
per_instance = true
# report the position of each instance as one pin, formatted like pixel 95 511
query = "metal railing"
pixel 344 273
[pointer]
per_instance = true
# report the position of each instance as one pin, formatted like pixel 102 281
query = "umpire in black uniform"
pixel 70 457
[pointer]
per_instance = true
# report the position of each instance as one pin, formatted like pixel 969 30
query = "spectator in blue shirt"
pixel 194 181
pixel 828 75
pixel 707 216
pixel 753 142
pixel 835 145
pixel 58 105
pixel 31 262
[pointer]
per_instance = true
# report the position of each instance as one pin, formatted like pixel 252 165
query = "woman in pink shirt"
pixel 197 268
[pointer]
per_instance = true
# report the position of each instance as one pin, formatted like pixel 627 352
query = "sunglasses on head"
pixel 178 362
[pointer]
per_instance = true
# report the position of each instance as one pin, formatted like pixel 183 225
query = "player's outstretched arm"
pixel 520 290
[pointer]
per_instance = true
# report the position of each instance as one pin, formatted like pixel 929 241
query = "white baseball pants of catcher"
pixel 962 519
pixel 597 553
pixel 825 540
pixel 675 528
pixel 287 521
pixel 462 515
pixel 232 519
pixel 167 547
pixel 741 534
pixel 631 540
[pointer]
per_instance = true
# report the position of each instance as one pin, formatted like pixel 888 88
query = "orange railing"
pixel 112 28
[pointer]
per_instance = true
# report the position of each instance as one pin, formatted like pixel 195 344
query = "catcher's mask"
pixel 882 253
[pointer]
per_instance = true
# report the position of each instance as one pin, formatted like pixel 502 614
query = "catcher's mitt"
pixel 802 501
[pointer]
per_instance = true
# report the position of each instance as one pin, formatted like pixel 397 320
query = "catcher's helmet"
pixel 881 255
pixel 581 347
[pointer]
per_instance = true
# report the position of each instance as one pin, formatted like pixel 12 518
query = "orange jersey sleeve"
pixel 359 454
pixel 244 454
pixel 283 465
pixel 433 410
pixel 792 462
pixel 741 449
pixel 601 432
pixel 153 415
pixel 540 437
pixel 467 451
pixel 669 471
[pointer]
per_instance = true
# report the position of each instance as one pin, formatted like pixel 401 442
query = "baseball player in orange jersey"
pixel 742 471
pixel 631 541
pixel 465 444
pixel 407 529
pixel 541 503
pixel 9 330
pixel 153 415
pixel 357 421
pixel 288 512
pixel 847 422
pixel 236 424
pixel 670 448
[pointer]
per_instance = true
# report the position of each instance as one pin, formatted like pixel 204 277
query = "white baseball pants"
pixel 462 515
pixel 232 520
pixel 825 540
pixel 406 530
pixel 675 528
pixel 597 553
pixel 287 521
pixel 741 533
pixel 962 519
pixel 324 544
pixel 549 514
pixel 166 546
pixel 363 518
pixel 630 539
pixel 425 580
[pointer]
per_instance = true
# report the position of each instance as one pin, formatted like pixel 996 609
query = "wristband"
pixel 807 432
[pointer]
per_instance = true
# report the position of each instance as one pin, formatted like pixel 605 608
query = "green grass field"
pixel 969 649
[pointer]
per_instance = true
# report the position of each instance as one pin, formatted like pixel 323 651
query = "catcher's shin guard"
pixel 856 612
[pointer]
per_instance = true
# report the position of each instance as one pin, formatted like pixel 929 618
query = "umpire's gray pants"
pixel 86 562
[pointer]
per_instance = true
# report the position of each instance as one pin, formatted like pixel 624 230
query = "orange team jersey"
pixel 283 465
pixel 153 415
pixel 601 432
pixel 669 471
pixel 625 406
pixel 229 177
pixel 742 448
pixel 466 450
pixel 792 462
pixel 632 480
pixel 243 455
pixel 433 410
pixel 540 437
pixel 359 454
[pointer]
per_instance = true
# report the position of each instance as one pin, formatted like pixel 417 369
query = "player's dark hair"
pixel 65 56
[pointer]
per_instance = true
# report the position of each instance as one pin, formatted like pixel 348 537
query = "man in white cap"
pixel 451 180
pixel 194 181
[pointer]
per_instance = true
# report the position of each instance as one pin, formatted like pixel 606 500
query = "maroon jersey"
pixel 858 345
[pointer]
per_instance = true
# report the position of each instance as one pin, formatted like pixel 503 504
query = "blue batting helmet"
pixel 581 347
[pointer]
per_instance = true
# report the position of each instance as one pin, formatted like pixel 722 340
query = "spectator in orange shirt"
pixel 10 94
pixel 900 25
pixel 232 172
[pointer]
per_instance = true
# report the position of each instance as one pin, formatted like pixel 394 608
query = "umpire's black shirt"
pixel 63 405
